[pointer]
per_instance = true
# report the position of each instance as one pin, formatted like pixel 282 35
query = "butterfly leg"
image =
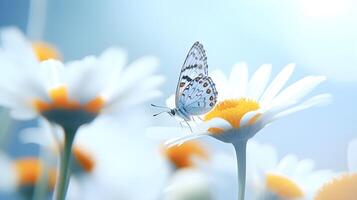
pixel 189 126
pixel 193 119
pixel 181 125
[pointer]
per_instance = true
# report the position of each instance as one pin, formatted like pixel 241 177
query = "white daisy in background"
pixel 73 94
pixel 110 166
pixel 22 175
pixel 286 179
pixel 189 184
pixel 268 178
pixel 187 181
pixel 245 106
pixel 92 85
pixel 342 186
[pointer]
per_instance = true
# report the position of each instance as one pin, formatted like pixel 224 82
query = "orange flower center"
pixel 84 159
pixel 232 110
pixel 343 187
pixel 29 170
pixel 182 156
pixel 45 51
pixel 60 100
pixel 283 187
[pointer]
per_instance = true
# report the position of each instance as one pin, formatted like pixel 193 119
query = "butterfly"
pixel 196 93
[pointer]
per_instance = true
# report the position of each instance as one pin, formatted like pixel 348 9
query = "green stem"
pixel 241 148
pixel 64 171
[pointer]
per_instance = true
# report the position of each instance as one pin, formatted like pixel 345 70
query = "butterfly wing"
pixel 195 65
pixel 199 96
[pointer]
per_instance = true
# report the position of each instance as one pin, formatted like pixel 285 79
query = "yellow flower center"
pixel 84 159
pixel 45 51
pixel 344 187
pixel 182 156
pixel 283 186
pixel 232 110
pixel 60 100
pixel 29 171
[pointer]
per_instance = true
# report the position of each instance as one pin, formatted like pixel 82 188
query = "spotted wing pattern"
pixel 195 65
pixel 199 96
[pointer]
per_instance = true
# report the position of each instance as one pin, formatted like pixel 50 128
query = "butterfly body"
pixel 180 113
pixel 196 93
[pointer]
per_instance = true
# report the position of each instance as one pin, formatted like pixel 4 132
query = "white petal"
pixel 52 73
pixel 318 100
pixel 8 181
pixel 138 71
pixel 221 82
pixel 238 80
pixel 84 80
pixel 199 131
pixel 17 47
pixel 260 158
pixel 130 101
pixel 248 116
pixel 214 123
pixel 299 89
pixel 45 135
pixel 287 165
pixel 277 84
pixel 139 93
pixel 351 156
pixel 111 64
pixel 23 114
pixel 304 168
pixel 259 81
pixel 188 184
pixel 113 59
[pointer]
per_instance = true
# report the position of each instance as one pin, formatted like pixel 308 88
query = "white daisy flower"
pixel 246 106
pixel 267 177
pixel 71 94
pixel 110 166
pixel 343 186
pixel 188 184
pixel 24 177
pixel 86 88
pixel 288 179
pixel 188 181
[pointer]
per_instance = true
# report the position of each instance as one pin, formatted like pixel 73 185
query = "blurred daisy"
pixel 49 89
pixel 74 94
pixel 246 106
pixel 96 174
pixel 344 186
pixel 23 176
pixel 268 178
pixel 189 184
pixel 187 180
pixel 288 179
pixel 184 156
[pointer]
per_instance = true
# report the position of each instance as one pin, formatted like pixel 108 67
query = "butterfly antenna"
pixel 153 105
pixel 159 113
